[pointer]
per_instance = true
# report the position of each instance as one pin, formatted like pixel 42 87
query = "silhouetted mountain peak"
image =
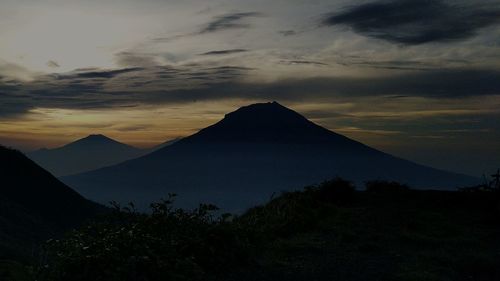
pixel 265 113
pixel 95 140
pixel 85 154
pixel 266 122
pixel 97 137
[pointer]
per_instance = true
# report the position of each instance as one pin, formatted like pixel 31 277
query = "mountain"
pixel 163 144
pixel 248 156
pixel 34 205
pixel 89 153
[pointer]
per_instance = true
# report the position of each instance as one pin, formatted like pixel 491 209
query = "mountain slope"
pixel 89 153
pixel 34 205
pixel 163 144
pixel 246 157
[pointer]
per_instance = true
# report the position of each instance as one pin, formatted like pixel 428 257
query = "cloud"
pixel 430 83
pixel 412 22
pixel 14 72
pixel 53 64
pixel 228 21
pixel 132 59
pixel 173 38
pixel 130 87
pixel 14 107
pixel 404 64
pixel 287 33
pixel 133 128
pixel 367 131
pixel 219 23
pixel 302 62
pixel 224 52
pixel 106 74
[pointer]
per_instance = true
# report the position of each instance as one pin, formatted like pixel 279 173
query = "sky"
pixel 416 78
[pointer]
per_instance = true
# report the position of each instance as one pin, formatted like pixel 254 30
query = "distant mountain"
pixel 34 205
pixel 89 153
pixel 252 153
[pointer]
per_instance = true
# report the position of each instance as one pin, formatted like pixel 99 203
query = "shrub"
pixel 381 186
pixel 299 211
pixel 337 191
pixel 168 244
pixel 289 213
pixel 176 244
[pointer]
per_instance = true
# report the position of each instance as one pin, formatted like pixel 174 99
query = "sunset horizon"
pixel 147 73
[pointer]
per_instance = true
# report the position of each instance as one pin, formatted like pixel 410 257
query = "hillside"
pixel 249 155
pixel 35 206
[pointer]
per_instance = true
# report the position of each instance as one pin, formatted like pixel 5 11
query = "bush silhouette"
pixel 168 244
pixel 298 211
pixel 177 244
pixel 336 191
pixel 381 186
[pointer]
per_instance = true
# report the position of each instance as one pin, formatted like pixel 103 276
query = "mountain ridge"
pixel 248 155
pixel 85 154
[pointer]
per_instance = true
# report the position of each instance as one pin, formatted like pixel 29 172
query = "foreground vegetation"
pixel 325 232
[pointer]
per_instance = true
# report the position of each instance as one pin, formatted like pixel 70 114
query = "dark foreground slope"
pixel 408 235
pixel 34 206
pixel 246 157
pixel 86 154
pixel 327 232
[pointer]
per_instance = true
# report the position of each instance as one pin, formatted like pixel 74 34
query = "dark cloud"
pixel 417 21
pixel 404 64
pixel 96 89
pixel 430 83
pixel 106 74
pixel 14 106
pixel 165 85
pixel 224 52
pixel 287 32
pixel 302 62
pixel 52 64
pixel 229 21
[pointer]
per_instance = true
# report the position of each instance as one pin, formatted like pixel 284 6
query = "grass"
pixel 15 271
pixel 326 232
pixel 382 235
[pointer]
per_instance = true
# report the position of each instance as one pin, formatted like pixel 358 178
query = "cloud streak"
pixel 217 24
pixel 303 62
pixel 413 22
pixel 229 21
pixel 98 89
pixel 224 52
pixel 105 74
